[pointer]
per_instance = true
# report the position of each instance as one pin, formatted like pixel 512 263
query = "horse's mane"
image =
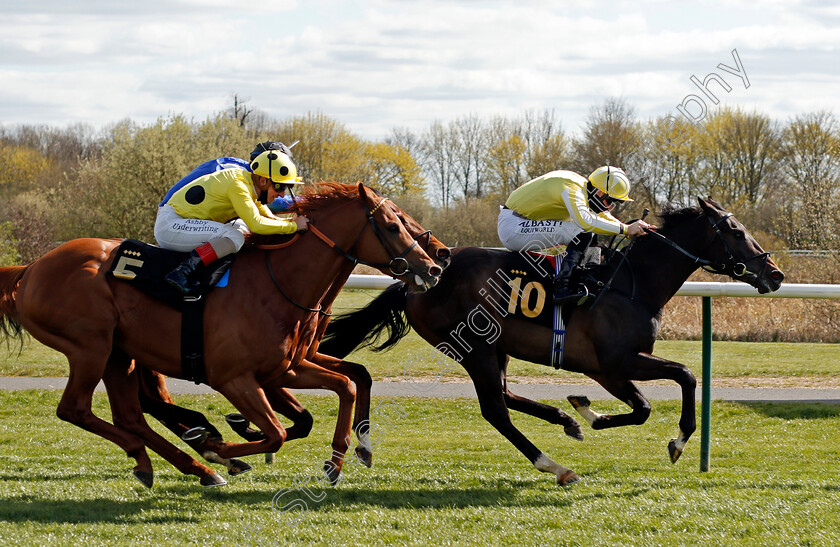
pixel 671 215
pixel 311 199
pixel 317 196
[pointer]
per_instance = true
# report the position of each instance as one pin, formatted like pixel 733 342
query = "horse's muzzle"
pixel 422 283
pixel 443 257
pixel 771 281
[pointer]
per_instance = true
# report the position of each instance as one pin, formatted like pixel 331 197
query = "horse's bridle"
pixel 732 267
pixel 398 265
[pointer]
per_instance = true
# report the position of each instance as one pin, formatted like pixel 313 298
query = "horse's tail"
pixel 9 325
pixel 364 327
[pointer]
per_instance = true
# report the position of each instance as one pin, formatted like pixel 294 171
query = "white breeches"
pixel 518 233
pixel 174 232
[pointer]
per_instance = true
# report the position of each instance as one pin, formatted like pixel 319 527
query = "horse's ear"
pixel 710 206
pixel 363 191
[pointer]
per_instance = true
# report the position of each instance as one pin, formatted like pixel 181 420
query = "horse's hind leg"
pixel 75 407
pixel 123 394
pixel 156 401
pixel 488 388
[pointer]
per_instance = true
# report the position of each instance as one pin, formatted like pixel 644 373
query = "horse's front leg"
pixel 644 367
pixel 623 390
pixel 649 367
pixel 245 393
pixel 308 375
pixel 359 375
pixel 491 399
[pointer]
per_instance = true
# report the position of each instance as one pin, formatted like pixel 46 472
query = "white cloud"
pixel 381 64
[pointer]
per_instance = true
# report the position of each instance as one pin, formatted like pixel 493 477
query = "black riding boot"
pixel 563 293
pixel 575 251
pixel 179 278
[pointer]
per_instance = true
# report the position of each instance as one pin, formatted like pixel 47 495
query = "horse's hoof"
pixel 365 456
pixel 195 435
pixel 579 401
pixel 568 478
pixel 235 419
pixel 210 481
pixel 237 467
pixel 673 451
pixel 574 431
pixel 332 472
pixel 146 478
pixel 269 458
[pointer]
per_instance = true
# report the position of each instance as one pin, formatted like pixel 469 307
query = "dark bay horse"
pixel 472 316
pixel 156 400
pixel 257 330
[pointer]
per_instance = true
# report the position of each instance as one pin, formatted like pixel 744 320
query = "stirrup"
pixel 578 298
pixel 180 280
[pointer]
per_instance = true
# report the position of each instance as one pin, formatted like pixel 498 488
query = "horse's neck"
pixel 660 270
pixel 322 270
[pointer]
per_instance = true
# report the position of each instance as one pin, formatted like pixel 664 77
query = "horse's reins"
pixel 733 268
pixel 392 265
pixel 396 259
pixel 623 258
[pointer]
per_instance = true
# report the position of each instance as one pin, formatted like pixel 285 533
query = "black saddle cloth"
pixel 145 266
pixel 531 279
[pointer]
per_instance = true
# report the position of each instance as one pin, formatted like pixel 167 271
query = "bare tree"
pixel 471 137
pixel 240 111
pixel 440 146
pixel 811 166
pixel 611 133
pixel 664 165
pixel 739 154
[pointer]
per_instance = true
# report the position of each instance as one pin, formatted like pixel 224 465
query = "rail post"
pixel 706 408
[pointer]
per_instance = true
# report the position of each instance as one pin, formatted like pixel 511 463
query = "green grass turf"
pixel 415 358
pixel 441 475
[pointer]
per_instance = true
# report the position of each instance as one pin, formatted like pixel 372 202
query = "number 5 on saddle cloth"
pixel 145 266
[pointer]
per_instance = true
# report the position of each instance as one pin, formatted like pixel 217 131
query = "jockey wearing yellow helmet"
pixel 564 208
pixel 211 214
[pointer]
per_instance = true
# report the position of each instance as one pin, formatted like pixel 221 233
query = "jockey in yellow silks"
pixel 564 208
pixel 211 215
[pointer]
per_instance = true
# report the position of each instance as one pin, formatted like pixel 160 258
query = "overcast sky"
pixel 378 64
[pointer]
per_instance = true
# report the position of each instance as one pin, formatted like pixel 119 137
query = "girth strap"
pixel 192 340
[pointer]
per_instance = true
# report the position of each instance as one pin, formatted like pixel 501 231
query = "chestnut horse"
pixel 611 341
pixel 156 400
pixel 256 330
